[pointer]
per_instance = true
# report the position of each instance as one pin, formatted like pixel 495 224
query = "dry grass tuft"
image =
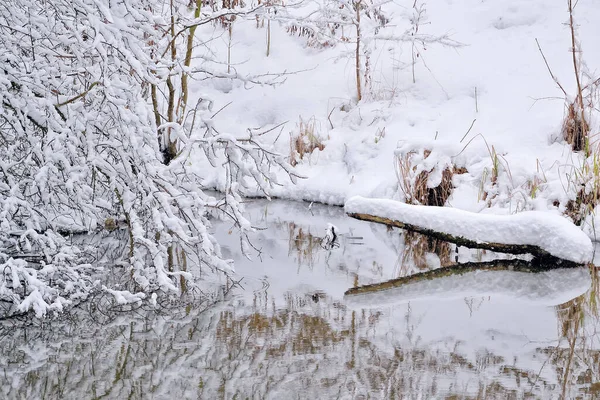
pixel 484 193
pixel 577 209
pixel 575 129
pixel 305 142
pixel 416 186
pixel 438 195
pixel 588 195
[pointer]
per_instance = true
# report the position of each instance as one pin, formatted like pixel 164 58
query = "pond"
pixel 286 330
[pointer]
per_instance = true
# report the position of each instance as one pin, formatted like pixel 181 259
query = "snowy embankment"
pixel 490 106
pixel 549 232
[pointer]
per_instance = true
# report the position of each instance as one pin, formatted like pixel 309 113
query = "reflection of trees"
pixel 576 359
pixel 308 347
pixel 304 237
pixel 312 348
pixel 101 249
pixel 304 246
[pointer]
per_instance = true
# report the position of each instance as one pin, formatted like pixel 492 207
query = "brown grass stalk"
pixel 305 142
pixel 418 191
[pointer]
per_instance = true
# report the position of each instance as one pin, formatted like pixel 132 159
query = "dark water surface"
pixel 288 331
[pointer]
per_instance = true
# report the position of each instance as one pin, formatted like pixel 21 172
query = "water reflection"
pixel 423 253
pixel 511 279
pixel 291 333
pixel 304 246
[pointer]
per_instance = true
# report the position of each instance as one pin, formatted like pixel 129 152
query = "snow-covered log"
pixel 538 233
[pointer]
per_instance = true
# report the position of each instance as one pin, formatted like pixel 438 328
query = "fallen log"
pixel 459 240
pixel 542 234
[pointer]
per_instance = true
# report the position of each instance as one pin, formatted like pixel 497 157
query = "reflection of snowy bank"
pixel 545 288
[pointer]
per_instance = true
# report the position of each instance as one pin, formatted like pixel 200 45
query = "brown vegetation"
pixel 417 190
pixel 303 245
pixel 575 128
pixel 305 142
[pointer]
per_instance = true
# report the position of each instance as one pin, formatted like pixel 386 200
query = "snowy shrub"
pixel 305 141
pixel 362 25
pixel 351 21
pixel 78 144
pixel 424 175
pixel 579 127
pixel 427 173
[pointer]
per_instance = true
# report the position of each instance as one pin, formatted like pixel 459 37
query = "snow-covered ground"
pixel 498 79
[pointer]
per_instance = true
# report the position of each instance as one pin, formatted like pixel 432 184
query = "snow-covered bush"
pixel 363 25
pixel 305 141
pixel 78 144
pixel 353 21
pixel 425 173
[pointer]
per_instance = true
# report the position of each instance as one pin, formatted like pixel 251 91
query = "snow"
pixel 498 81
pixel 552 233
pixel 125 296
pixel 34 301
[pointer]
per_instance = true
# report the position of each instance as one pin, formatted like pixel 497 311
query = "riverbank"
pixel 489 106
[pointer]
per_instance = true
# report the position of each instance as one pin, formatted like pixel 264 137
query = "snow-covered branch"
pixel 444 40
pixel 80 144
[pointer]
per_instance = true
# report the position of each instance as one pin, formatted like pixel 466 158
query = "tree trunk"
pixel 357 5
pixel 268 37
pixel 169 149
pixel 187 62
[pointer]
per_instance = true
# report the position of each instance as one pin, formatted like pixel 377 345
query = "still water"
pixel 287 331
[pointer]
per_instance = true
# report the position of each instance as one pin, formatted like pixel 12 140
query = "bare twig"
pixel 550 70
pixel 469 130
pixel 73 99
